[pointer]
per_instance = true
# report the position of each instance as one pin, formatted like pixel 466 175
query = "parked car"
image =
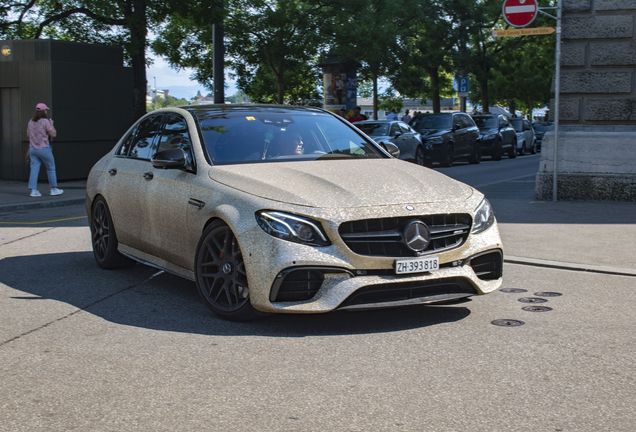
pixel 540 129
pixel 497 136
pixel 525 136
pixel 448 137
pixel 281 209
pixel 399 133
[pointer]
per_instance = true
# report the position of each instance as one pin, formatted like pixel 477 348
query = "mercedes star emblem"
pixel 417 236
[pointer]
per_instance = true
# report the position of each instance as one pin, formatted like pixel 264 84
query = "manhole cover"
pixel 536 308
pixel 532 300
pixel 507 322
pixel 548 294
pixel 513 290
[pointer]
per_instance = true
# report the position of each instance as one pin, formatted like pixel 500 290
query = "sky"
pixel 179 82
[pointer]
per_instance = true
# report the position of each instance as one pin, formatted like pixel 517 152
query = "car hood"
pixel 342 183
pixel 488 131
pixel 426 133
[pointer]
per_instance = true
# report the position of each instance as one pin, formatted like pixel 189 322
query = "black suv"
pixel 447 137
pixel 497 136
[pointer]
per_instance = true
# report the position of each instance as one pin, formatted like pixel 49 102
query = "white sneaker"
pixel 56 191
pixel 35 193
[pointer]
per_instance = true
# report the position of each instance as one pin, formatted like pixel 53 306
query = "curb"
pixel 43 204
pixel 617 271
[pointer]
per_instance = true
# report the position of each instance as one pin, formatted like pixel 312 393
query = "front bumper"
pixel 316 280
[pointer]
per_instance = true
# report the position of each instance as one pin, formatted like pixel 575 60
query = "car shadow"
pixel 146 297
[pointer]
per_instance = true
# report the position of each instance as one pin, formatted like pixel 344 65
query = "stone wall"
pixel 596 147
pixel 598 62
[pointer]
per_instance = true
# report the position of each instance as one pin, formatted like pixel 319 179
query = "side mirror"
pixel 392 149
pixel 167 159
pixel 397 134
pixel 458 126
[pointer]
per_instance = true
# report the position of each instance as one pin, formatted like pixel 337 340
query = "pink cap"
pixel 41 107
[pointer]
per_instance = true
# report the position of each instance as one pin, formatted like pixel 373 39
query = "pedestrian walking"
pixel 39 130
pixel 392 115
pixel 406 118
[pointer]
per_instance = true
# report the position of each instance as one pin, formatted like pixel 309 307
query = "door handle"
pixel 148 175
pixel 112 171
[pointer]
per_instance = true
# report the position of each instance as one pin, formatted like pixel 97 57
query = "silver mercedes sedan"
pixel 281 209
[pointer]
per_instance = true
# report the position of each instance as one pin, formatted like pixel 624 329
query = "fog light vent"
pixel 488 266
pixel 298 285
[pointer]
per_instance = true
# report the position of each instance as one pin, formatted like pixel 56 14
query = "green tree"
pixel 114 22
pixel 238 97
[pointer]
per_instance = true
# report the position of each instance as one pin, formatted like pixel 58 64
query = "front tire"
pixel 533 149
pixel 512 153
pixel 497 152
pixel 419 156
pixel 220 274
pixel 522 152
pixel 448 156
pixel 475 158
pixel 104 238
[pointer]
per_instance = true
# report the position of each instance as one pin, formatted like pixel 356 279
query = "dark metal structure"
pixel 89 93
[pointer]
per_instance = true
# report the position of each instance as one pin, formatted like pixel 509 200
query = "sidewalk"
pixel 14 195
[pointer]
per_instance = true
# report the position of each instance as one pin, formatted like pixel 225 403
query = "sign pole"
pixel 557 93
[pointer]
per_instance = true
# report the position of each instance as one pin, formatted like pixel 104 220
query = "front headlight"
pixel 484 217
pixel 436 140
pixel 292 228
pixel 489 136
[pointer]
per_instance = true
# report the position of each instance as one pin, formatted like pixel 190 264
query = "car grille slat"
pixel 385 236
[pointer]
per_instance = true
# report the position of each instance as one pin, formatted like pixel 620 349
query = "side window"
pixel 144 137
pixel 125 146
pixel 175 135
pixel 405 128
pixel 458 121
pixel 501 121
pixel 466 121
pixel 526 125
pixel 394 129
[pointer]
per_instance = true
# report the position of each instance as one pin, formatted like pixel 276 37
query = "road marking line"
pixel 43 222
pixel 506 180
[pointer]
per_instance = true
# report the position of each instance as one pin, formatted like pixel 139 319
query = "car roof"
pixel 251 107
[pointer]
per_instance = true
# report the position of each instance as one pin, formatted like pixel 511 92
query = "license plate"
pixel 416 265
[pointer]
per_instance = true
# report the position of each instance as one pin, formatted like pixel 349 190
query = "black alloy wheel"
pixel 419 156
pixel 512 153
pixel 220 274
pixel 448 155
pixel 475 158
pixel 104 239
pixel 497 152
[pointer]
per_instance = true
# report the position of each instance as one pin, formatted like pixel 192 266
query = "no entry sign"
pixel 520 13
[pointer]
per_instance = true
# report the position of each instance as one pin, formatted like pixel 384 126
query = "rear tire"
pixel 104 238
pixel 448 155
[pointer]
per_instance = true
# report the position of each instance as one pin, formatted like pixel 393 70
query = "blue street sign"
pixel 463 86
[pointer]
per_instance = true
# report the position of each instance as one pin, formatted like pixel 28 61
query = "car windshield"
pixel 433 121
pixel 374 129
pixel 486 122
pixel 517 124
pixel 269 136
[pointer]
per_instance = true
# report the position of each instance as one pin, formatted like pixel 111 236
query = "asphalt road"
pixel 135 350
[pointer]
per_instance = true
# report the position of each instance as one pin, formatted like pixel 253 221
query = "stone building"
pixel 596 146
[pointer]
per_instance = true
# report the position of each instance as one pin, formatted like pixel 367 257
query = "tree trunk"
pixel 434 75
pixel 138 33
pixel 513 108
pixel 375 97
pixel 484 96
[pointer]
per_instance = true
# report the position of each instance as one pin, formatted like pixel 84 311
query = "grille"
pixel 392 292
pixel 488 266
pixel 385 237
pixel 298 285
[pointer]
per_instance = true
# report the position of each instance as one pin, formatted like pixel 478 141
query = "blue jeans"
pixel 39 157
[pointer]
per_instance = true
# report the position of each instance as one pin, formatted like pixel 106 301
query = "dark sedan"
pixel 497 136
pixel 406 139
pixel 447 137
pixel 540 129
